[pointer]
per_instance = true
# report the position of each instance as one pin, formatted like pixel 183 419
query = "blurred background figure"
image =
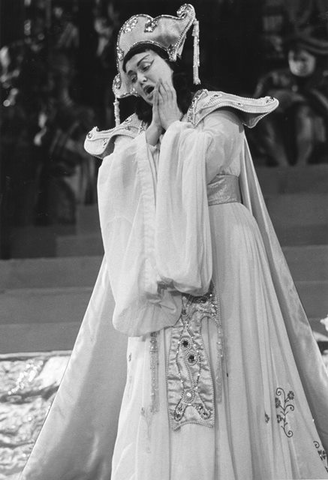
pixel 106 26
pixel 296 134
pixel 67 174
pixel 64 33
pixel 24 85
pixel 45 172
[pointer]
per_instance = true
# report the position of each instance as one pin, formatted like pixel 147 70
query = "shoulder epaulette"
pixel 99 143
pixel 250 110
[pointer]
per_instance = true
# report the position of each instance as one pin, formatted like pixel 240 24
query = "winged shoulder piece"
pixel 100 143
pixel 249 110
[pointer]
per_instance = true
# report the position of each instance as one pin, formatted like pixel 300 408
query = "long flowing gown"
pixel 224 378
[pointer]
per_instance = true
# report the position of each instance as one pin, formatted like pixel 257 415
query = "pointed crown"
pixel 165 31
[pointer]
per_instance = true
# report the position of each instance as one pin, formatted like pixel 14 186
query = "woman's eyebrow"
pixel 141 59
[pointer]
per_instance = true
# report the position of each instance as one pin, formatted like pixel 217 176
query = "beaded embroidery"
pixel 190 383
pixel 154 372
pixel 148 411
pixel 120 56
pixel 191 114
pixel 171 52
pixel 151 25
pixel 129 25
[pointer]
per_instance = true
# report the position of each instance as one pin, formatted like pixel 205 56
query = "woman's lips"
pixel 149 91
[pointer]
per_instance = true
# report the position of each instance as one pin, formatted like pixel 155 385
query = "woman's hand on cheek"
pixel 169 111
pixel 156 120
pixel 155 129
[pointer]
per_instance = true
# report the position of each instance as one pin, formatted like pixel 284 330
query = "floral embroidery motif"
pixel 151 25
pixel 284 407
pixel 322 453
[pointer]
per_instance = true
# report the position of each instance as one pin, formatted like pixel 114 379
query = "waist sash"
pixel 225 189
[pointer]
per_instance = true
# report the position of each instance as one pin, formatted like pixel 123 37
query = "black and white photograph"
pixel 163 240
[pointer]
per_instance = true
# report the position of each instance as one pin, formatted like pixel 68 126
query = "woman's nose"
pixel 142 78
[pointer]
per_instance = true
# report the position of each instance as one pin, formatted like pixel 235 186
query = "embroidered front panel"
pixel 189 379
pixel 284 406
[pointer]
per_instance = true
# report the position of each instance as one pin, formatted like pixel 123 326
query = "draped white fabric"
pixel 127 216
pixel 182 249
pixel 158 234
pixel 311 367
pixel 150 213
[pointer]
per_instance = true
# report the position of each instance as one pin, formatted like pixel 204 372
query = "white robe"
pixel 247 440
pixel 160 236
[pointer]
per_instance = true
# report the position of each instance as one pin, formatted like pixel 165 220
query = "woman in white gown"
pixel 224 378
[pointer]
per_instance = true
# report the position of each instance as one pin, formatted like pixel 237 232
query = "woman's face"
pixel 301 63
pixel 144 70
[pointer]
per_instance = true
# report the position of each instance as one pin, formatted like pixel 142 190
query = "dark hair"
pixel 182 82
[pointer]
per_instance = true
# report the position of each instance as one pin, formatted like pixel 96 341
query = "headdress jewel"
pixel 165 31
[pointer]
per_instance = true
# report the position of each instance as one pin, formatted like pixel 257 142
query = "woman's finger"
pixel 158 86
pixel 162 85
pixel 155 94
pixel 155 100
pixel 166 89
pixel 170 90
pixel 157 106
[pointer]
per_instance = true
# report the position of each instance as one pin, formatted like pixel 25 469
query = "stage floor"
pixel 29 383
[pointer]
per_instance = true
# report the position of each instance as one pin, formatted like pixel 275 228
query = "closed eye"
pixel 143 67
pixel 146 67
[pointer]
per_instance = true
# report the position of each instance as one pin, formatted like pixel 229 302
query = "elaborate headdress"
pixel 164 31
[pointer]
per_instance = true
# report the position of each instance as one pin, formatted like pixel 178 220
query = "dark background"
pixel 240 40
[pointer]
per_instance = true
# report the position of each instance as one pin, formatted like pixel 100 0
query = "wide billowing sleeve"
pixel 126 201
pixel 189 158
pixel 155 223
